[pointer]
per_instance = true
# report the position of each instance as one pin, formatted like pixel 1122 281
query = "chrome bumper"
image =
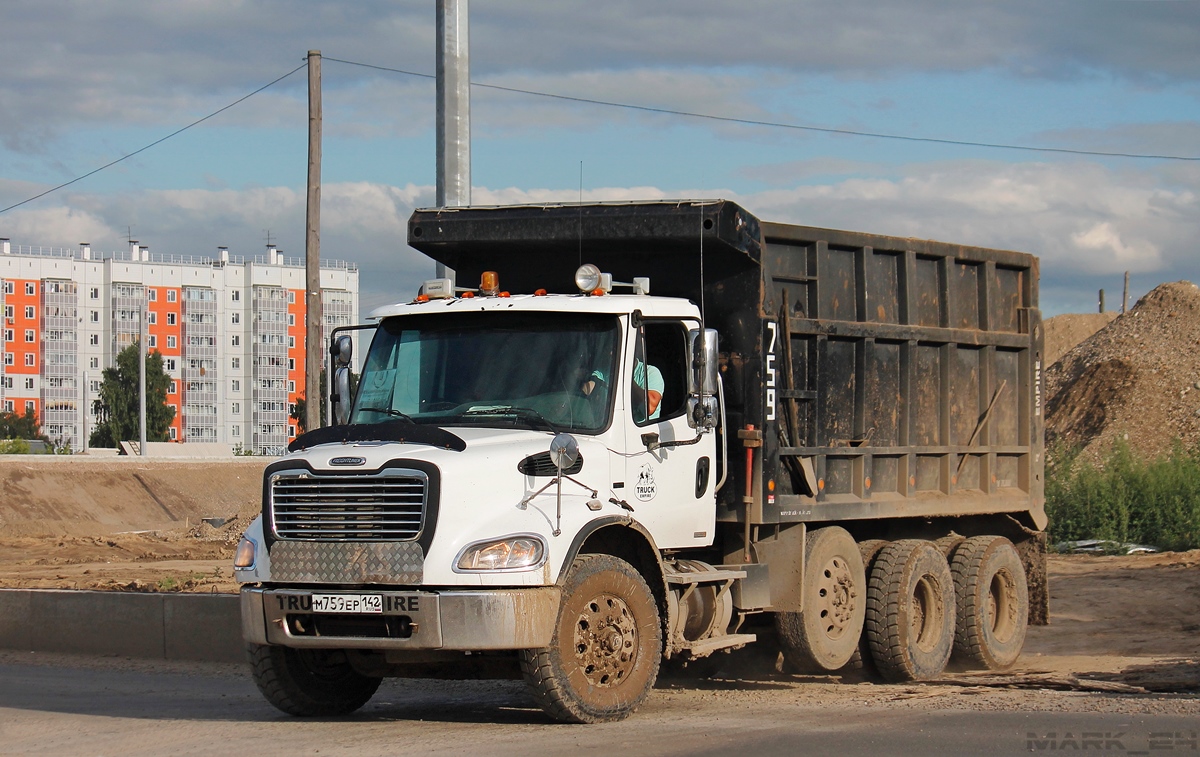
pixel 452 620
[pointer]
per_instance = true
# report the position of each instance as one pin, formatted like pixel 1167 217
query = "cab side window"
pixel 660 368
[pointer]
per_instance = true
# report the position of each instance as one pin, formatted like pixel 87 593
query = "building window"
pixel 29 311
pixel 29 383
pixel 30 359
pixel 235 318
pixel 8 406
pixel 291 430
pixel 170 363
pixel 235 363
pixel 95 387
pixel 173 433
pixel 291 297
pixel 30 289
pixel 6 382
pixel 8 335
pixel 152 318
pixel 235 408
pixel 172 389
pixel 292 387
pixel 237 385
pixel 237 430
pixel 170 295
pixel 94 340
pixel 170 342
pixel 94 293
pixel 8 287
pixel 153 293
pixel 235 340
pixel 153 341
pixel 291 319
pixel 291 363
pixel 28 406
pixel 8 311
pixel 170 319
pixel 29 335
pixel 235 295
pixel 94 362
pixel 8 358
pixel 291 342
pixel 95 316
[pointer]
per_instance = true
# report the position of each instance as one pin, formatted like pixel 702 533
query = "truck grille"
pixel 388 505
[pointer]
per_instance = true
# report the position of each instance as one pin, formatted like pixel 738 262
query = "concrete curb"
pixel 200 627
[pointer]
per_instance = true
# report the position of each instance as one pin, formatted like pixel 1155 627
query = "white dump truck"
pixel 658 431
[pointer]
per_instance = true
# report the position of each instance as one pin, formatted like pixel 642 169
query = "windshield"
pixel 547 371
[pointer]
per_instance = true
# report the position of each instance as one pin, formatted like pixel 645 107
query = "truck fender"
pixel 642 553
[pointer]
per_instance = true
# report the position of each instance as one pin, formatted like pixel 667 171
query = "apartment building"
pixel 230 330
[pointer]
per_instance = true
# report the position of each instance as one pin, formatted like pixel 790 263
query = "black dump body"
pixel 884 377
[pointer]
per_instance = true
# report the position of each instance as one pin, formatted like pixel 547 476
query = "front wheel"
pixel 309 682
pixel 603 658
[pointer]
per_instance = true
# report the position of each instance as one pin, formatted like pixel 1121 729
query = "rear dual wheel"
pixel 910 617
pixel 993 602
pixel 825 636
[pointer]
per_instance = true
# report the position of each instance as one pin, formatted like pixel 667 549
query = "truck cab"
pixel 493 439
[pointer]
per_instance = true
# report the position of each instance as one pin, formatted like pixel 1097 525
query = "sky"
pixel 86 82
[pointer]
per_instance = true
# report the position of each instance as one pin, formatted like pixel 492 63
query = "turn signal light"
pixel 244 558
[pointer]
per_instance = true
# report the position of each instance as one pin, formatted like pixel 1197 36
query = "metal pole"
pixel 1101 300
pixel 312 252
pixel 142 384
pixel 1125 294
pixel 453 109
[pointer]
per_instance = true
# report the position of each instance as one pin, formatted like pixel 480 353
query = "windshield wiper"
pixel 526 413
pixel 387 411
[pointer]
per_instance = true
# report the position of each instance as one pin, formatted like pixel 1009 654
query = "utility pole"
pixel 142 383
pixel 453 110
pixel 312 253
pixel 1125 294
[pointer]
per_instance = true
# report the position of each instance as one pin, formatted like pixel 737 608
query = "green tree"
pixel 13 426
pixel 118 403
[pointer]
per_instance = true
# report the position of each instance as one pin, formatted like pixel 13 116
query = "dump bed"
pixel 883 377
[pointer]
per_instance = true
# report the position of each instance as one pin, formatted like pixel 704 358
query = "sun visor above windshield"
pixel 538 246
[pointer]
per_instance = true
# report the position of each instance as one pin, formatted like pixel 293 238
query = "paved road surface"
pixel 71 705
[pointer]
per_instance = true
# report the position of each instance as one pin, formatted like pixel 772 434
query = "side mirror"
pixel 564 451
pixel 342 350
pixel 703 378
pixel 341 394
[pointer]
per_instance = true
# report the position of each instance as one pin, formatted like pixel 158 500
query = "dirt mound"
pixel 1063 332
pixel 80 496
pixel 1137 378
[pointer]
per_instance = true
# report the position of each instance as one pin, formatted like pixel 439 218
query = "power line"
pixel 158 141
pixel 782 125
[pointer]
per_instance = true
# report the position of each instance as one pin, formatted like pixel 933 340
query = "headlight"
pixel 511 553
pixel 244 558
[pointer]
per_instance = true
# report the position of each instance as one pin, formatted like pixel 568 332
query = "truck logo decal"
pixel 771 331
pixel 645 488
pixel 348 461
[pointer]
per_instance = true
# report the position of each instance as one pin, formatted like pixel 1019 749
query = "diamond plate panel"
pixel 400 563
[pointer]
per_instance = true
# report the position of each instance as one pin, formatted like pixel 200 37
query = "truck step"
pixel 705 647
pixel 705 577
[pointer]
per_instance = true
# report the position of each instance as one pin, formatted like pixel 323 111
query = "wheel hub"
pixel 837 596
pixel 606 641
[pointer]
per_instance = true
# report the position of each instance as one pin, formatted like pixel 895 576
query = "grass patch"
pixel 1125 498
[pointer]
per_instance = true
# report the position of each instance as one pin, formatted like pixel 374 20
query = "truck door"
pixel 669 485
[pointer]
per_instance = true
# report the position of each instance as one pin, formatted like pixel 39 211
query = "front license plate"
pixel 355 604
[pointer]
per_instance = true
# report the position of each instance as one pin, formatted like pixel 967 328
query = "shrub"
pixel 1125 498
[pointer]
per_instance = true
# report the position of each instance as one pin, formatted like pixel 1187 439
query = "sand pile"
pixel 1138 378
pixel 1064 332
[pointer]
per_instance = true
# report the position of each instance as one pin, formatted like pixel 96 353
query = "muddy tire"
pixel 910 611
pixel 861 659
pixel 309 682
pixel 993 603
pixel 603 658
pixel 824 637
